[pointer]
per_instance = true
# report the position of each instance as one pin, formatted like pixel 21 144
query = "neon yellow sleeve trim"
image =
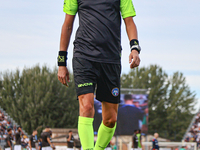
pixel 70 7
pixel 127 9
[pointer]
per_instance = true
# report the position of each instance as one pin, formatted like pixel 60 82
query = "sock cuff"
pixel 85 120
pixel 107 129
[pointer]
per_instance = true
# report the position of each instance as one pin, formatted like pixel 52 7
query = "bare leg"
pixel 85 123
pixel 109 114
pixel 86 105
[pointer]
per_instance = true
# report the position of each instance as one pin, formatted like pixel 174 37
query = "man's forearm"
pixel 68 139
pixel 30 144
pixel 65 37
pixel 49 141
pixel 131 28
pixel 22 132
pixel 9 144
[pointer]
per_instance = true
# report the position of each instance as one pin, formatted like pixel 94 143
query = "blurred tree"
pixel 171 102
pixel 35 97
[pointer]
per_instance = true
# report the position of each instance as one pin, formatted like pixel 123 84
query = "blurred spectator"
pixel 24 142
pixel 139 139
pixel 113 146
pixel 155 142
pixel 18 136
pixel 51 140
pixel 2 128
pixel 145 121
pixel 5 125
pixel 70 141
pixel 135 140
pixel 77 144
pixel 8 140
pixel 14 131
pixel 182 148
pixel 33 140
pixel 40 143
pixel 46 143
pixel 3 131
pixel 1 116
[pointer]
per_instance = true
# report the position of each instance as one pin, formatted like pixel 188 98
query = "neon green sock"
pixel 104 136
pixel 86 132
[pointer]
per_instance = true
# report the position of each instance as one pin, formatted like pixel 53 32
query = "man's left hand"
pixel 134 59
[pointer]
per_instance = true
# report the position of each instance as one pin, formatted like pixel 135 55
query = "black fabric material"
pixel 33 141
pixel 8 138
pixel 70 144
pixel 18 138
pixel 132 42
pixel 98 37
pixel 105 75
pixel 44 136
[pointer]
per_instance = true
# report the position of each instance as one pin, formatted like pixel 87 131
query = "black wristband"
pixel 62 58
pixel 134 44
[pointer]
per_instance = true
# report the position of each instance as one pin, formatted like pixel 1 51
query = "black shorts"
pixel 104 76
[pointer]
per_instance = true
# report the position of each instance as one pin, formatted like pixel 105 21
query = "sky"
pixel 168 31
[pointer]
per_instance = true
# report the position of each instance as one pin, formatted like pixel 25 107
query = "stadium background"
pixel 35 97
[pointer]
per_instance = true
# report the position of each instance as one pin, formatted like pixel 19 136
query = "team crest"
pixel 115 92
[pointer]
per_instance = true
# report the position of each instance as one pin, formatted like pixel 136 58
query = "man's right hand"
pixel 63 73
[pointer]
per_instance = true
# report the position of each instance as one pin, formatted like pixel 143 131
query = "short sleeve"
pixel 70 7
pixel 127 9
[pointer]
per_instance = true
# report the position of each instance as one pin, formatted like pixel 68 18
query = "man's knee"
pixel 110 122
pixel 86 102
pixel 109 114
pixel 87 108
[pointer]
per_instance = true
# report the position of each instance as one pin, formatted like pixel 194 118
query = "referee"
pixel 97 61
